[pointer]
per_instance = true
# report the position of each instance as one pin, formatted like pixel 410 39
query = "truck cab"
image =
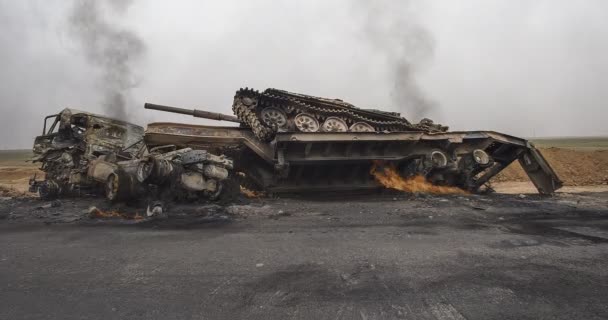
pixel 71 139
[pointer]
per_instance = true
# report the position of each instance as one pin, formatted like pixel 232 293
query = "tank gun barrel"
pixel 193 112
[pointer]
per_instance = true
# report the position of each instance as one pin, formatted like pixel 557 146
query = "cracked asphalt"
pixel 367 257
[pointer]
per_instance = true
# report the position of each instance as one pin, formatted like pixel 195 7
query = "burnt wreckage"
pixel 84 153
pixel 289 142
pixel 285 142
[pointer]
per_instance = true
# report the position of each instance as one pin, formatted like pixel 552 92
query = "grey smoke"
pixel 109 47
pixel 392 29
pixel 527 68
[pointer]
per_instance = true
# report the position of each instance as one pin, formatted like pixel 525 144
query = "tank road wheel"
pixel 249 117
pixel 306 123
pixel 361 127
pixel 334 124
pixel 438 159
pixel 274 117
pixel 481 157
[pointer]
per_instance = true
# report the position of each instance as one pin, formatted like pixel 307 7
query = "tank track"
pixel 317 114
pixel 248 115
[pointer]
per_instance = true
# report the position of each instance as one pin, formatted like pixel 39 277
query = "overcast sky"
pixel 527 68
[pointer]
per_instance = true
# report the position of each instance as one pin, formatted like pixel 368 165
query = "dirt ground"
pixel 15 172
pixel 574 167
pixel 14 180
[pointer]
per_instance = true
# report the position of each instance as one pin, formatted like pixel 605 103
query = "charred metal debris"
pixel 83 153
pixel 286 142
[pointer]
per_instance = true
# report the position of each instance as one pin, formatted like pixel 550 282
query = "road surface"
pixel 373 257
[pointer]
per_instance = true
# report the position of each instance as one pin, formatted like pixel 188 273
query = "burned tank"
pixel 290 142
pixel 274 110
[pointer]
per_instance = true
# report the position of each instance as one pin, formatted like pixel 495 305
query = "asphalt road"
pixel 474 257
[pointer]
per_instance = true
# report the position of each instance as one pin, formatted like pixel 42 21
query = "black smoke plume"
pixel 392 29
pixel 109 47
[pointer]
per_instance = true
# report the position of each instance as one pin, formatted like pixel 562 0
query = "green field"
pixel 577 143
pixel 9 158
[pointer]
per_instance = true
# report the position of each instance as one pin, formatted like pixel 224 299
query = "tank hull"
pixel 274 111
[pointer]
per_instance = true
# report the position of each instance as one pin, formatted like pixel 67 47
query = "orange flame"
pixel 251 193
pixel 97 213
pixel 387 175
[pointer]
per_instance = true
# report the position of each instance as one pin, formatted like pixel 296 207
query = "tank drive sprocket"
pixel 244 108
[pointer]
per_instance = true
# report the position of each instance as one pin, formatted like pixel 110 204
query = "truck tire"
pixel 111 187
pixel 48 190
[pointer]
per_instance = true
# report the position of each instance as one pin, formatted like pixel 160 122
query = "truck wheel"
pixel 111 187
pixel 155 210
pixel 216 195
pixel 48 190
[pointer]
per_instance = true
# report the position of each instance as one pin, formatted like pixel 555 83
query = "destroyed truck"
pixel 293 142
pixel 85 153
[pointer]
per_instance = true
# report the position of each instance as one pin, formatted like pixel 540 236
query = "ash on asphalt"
pixel 387 256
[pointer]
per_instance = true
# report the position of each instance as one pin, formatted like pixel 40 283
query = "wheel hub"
pixel 361 127
pixel 306 123
pixel 334 124
pixel 273 116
